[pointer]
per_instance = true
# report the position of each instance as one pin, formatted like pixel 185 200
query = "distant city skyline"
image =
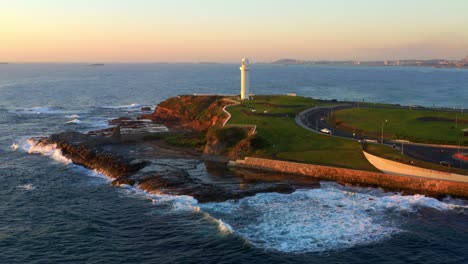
pixel 225 31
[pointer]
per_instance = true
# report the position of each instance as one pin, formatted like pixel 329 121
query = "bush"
pixel 230 135
pixel 258 142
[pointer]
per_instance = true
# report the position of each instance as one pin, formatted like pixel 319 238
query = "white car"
pixel 326 131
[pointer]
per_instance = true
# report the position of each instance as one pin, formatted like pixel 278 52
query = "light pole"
pixel 381 138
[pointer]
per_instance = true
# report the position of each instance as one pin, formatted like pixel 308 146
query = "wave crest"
pixel 325 219
pixel 51 150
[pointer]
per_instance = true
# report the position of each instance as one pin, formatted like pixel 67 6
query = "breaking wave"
pixel 72 116
pixel 75 121
pixel 177 202
pixel 326 219
pixel 130 106
pixel 43 110
pixel 26 187
pixel 50 150
pixel 14 146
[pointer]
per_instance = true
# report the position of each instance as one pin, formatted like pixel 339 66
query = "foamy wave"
pixel 72 116
pixel 47 150
pixel 26 187
pixel 130 106
pixel 223 227
pixel 75 121
pixel 177 202
pixel 14 146
pixel 43 110
pixel 325 219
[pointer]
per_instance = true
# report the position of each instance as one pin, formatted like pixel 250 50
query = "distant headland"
pixel 435 63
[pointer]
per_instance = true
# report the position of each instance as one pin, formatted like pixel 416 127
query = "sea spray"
pixel 49 150
pixel 14 146
pixel 318 220
pixel 26 187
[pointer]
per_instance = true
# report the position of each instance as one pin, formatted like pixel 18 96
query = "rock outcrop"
pixel 85 150
pixel 111 157
pixel 189 112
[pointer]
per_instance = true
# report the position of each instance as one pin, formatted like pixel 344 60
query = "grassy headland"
pixel 278 135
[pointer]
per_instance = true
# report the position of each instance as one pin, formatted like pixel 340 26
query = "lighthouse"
pixel 245 79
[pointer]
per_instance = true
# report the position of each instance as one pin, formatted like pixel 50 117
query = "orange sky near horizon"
pixel 187 31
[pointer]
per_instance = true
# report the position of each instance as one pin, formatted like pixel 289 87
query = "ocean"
pixel 52 211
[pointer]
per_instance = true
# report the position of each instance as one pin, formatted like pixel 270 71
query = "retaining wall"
pixel 409 184
pixel 393 167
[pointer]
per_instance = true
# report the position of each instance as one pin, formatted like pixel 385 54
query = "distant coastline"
pixel 434 63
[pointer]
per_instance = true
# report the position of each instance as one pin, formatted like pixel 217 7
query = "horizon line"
pixel 217 62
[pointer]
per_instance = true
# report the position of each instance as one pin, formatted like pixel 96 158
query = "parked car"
pixel 326 131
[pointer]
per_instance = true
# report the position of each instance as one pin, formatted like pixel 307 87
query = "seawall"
pixel 393 167
pixel 407 184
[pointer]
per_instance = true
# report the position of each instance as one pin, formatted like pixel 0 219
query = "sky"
pixel 225 30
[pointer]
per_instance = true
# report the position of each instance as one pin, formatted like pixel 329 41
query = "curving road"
pixel 314 120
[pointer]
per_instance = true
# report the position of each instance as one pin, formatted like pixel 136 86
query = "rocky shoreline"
pixel 125 155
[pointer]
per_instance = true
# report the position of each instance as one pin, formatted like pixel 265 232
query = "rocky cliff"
pixel 189 112
pixel 204 114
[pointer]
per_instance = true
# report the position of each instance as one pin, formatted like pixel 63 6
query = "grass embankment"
pixel 193 140
pixel 422 126
pixel 278 136
pixel 387 152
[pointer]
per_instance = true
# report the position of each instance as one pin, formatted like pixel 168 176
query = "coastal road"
pixel 314 120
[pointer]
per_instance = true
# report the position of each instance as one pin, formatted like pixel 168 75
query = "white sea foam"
pixel 43 110
pixel 14 146
pixel 72 116
pixel 26 187
pixel 75 121
pixel 223 227
pixel 177 202
pixel 318 220
pixel 50 150
pixel 129 106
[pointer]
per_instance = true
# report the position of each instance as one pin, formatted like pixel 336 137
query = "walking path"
pixel 393 167
pixel 253 128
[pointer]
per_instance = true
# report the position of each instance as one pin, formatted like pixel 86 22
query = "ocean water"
pixel 52 211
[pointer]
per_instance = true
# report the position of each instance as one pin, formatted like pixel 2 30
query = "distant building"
pixel 466 58
pixel 245 79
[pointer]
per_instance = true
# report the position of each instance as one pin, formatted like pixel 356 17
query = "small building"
pixel 465 132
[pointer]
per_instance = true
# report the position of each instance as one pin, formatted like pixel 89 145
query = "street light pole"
pixel 381 137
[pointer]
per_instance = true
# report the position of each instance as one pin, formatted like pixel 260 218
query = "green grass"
pixel 289 141
pixel 387 152
pixel 403 124
pixel 191 140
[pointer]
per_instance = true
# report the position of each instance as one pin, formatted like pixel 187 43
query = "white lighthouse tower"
pixel 245 79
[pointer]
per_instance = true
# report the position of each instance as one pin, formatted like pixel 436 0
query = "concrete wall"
pixel 408 184
pixel 393 167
